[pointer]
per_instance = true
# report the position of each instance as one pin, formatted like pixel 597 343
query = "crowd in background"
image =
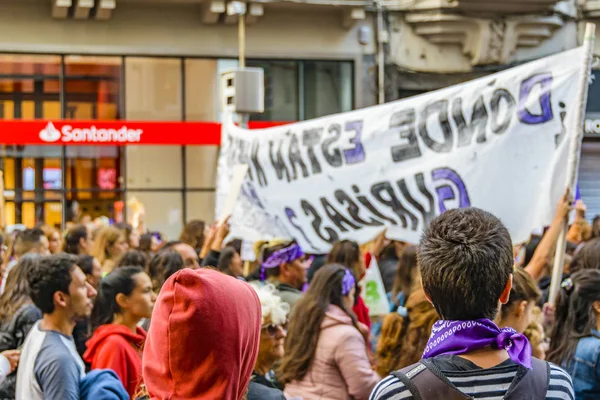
pixel 118 312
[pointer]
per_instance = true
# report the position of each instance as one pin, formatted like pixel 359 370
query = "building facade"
pixel 160 60
pixel 156 61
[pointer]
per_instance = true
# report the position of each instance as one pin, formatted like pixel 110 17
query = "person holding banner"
pixel 466 261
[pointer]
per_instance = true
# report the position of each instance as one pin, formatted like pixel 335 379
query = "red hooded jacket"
pixel 116 347
pixel 204 337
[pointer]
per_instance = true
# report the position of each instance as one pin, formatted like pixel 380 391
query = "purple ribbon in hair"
pixel 348 282
pixel 460 337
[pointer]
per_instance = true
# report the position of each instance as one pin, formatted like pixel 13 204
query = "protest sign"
pixel 373 291
pixel 498 143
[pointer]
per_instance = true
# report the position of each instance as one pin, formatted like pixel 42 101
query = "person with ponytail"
pixel 404 334
pixel 575 339
pixel 125 297
pixel 325 352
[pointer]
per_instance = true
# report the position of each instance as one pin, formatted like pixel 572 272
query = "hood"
pixel 204 337
pixel 105 331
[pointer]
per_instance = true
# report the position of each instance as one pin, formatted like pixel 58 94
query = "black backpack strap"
pixel 426 382
pixel 530 383
pixel 406 374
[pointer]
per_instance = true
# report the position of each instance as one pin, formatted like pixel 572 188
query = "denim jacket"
pixel 584 368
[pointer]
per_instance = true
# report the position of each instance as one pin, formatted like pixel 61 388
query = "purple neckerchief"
pixel 460 337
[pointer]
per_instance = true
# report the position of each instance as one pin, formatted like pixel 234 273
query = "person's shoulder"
pixel 391 388
pixel 560 385
pixel 54 349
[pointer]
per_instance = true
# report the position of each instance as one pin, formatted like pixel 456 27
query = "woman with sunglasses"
pixel 326 354
pixel 270 351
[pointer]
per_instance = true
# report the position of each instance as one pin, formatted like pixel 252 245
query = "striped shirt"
pixel 481 384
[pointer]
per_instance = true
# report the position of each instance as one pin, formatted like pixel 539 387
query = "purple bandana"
pixel 460 337
pixel 284 256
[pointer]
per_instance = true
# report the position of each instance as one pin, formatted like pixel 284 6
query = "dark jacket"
pixel 12 335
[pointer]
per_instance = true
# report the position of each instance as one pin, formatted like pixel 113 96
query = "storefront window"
pixel 175 183
pixel 92 92
pixel 328 88
pixel 281 90
pixel 92 87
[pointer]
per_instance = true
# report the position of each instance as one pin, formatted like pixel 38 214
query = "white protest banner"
pixel 497 143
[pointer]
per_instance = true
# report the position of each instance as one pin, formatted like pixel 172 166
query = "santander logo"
pixel 50 133
pixel 68 134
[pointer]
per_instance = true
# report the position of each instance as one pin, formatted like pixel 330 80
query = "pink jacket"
pixel 340 369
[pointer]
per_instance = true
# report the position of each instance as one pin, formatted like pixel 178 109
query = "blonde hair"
pixel 105 238
pixel 261 245
pixel 534 331
pixel 271 304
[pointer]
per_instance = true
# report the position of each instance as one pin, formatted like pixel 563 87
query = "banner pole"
pixel 576 136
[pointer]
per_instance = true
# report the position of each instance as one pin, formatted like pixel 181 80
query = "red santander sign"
pixel 114 133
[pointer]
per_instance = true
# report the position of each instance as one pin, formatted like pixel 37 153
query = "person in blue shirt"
pixel 575 339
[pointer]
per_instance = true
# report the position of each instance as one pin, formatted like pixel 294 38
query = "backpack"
pixel 425 381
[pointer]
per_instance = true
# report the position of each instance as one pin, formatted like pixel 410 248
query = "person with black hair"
pixel 231 263
pixel 17 315
pixel 93 273
pixel 190 258
pixel 164 264
pixel 125 297
pixel 466 262
pixel 27 241
pixel 78 241
pixel 575 339
pixel 50 367
pixel 91 268
pixel 134 258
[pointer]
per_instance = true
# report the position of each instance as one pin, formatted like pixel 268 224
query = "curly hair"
pixel 49 275
pixel 273 307
pixel 403 339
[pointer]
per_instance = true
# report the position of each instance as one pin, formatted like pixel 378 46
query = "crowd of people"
pixel 119 312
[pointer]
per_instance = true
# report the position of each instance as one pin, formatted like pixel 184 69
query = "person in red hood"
pixel 204 338
pixel 125 297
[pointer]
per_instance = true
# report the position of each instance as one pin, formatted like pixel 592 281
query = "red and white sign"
pixel 114 133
